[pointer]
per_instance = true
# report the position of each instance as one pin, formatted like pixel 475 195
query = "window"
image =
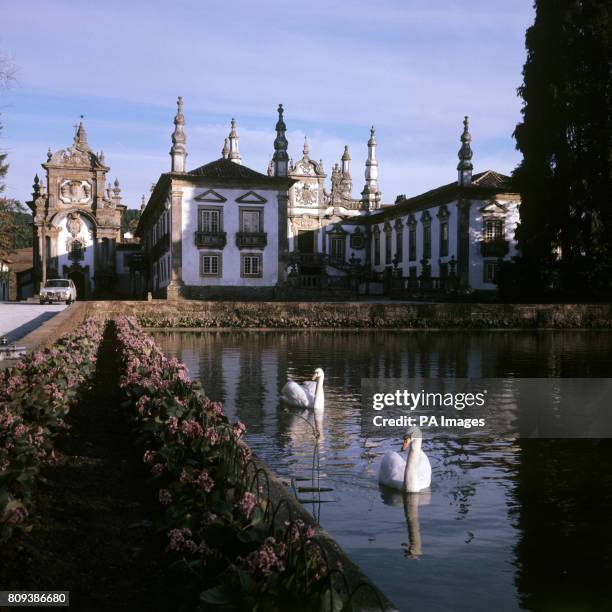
pixel 357 240
pixel 210 265
pixel 76 251
pixel 251 265
pixel 251 220
pixel 210 220
pixel 337 248
pixel 493 229
pixel 306 241
pixel 412 243
pixel 388 255
pixel 491 268
pixel 377 249
pixel 57 283
pixel 443 238
pixel 399 239
pixel 426 241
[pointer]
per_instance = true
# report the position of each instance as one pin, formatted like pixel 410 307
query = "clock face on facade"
pixel 306 194
pixel 75 192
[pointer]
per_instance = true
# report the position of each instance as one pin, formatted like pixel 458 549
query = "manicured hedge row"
pixel 219 528
pixel 35 397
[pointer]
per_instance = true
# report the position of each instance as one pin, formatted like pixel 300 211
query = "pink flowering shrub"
pixel 216 529
pixel 35 397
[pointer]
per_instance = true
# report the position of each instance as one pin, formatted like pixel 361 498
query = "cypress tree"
pixel 565 178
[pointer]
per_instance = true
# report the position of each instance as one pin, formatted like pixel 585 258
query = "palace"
pixel 224 230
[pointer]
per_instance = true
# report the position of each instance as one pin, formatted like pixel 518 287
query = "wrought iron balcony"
pixel 251 240
pixel 494 248
pixel 210 240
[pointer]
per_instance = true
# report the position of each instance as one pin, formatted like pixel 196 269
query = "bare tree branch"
pixel 7 71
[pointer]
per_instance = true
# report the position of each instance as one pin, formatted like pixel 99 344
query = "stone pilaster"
pixel 175 287
pixel 283 241
pixel 463 242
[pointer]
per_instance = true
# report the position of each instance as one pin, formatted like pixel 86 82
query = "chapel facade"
pixel 77 220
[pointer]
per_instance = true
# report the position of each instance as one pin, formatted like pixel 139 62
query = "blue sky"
pixel 412 68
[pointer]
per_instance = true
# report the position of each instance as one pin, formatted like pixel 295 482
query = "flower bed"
pixel 35 397
pixel 220 525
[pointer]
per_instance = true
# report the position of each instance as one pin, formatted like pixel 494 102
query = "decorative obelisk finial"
pixel 346 161
pixel 234 153
pixel 225 149
pixel 371 192
pixel 178 152
pixel 306 149
pixel 465 166
pixel 280 157
pixel 80 137
pixel 371 169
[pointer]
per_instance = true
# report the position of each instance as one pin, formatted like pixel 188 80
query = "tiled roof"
pixel 226 169
pixel 483 180
pixel 492 179
pixel 487 180
pixel 483 183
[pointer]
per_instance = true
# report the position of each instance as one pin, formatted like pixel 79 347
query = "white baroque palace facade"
pixel 225 230
pixel 219 230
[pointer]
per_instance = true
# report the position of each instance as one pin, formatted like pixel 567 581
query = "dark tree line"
pixel 565 178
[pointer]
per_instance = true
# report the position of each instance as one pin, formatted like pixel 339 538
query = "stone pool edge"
pixel 198 315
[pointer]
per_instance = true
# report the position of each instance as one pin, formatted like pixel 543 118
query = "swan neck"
pixel 414 450
pixel 318 396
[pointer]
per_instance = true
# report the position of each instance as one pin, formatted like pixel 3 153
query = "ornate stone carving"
pixel 306 194
pixel 74 224
pixel 305 222
pixel 75 192
pixel 305 168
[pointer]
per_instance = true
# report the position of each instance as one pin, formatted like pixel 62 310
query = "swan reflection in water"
pixel 411 503
pixel 407 482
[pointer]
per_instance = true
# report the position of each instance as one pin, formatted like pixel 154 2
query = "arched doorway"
pixel 79 278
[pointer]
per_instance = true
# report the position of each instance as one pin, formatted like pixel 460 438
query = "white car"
pixel 58 290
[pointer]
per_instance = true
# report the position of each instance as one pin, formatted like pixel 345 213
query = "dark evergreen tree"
pixel 565 178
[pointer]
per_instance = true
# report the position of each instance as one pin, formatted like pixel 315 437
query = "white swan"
pixel 308 395
pixel 410 476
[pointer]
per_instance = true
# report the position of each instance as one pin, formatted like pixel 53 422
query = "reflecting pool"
pixel 508 524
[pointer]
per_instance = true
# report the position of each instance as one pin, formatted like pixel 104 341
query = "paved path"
pixel 18 318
